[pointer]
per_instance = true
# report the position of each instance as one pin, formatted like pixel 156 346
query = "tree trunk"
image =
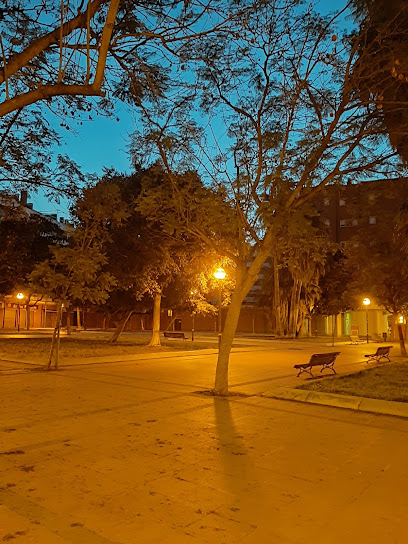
pixel 227 338
pixel 401 340
pixel 55 339
pixel 28 315
pixel 142 327
pixel 245 279
pixel 120 327
pixel 301 320
pixel 293 312
pixel 78 318
pixel 334 319
pixel 276 298
pixel 155 340
pixel 297 306
pixel 69 328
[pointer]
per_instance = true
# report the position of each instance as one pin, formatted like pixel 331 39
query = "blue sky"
pixel 103 141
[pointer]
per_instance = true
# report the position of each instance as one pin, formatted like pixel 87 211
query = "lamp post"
pixel 192 293
pixel 20 296
pixel 219 274
pixel 367 303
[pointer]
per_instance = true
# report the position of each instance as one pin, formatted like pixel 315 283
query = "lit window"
pixel 354 222
pixel 373 221
pixel 342 202
pixel 342 222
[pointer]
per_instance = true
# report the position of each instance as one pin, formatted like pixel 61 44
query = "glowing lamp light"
pixel 401 319
pixel 220 274
pixel 20 296
pixel 366 302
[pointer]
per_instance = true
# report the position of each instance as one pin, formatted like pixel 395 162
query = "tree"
pixel 382 72
pixel 62 62
pixel 290 285
pixel 384 276
pixel 281 94
pixel 74 273
pixel 377 255
pixel 338 290
pixel 25 241
pixel 60 49
pixel 147 262
pixel 30 50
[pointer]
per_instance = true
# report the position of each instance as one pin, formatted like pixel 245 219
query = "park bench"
pixel 355 339
pixel 382 352
pixel 325 360
pixel 175 334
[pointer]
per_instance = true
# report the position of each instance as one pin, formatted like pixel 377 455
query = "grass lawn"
pixel 75 346
pixel 387 382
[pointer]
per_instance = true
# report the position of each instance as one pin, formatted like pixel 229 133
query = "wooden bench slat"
pixel 325 360
pixel 381 353
pixel 174 334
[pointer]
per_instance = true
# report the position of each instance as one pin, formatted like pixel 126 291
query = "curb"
pixel 362 404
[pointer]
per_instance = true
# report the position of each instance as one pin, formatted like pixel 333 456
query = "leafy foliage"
pixel 25 242
pixel 74 273
pixel 269 115
pixel 54 59
pixel 382 71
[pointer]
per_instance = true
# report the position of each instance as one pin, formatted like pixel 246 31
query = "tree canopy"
pixel 269 116
pixel 62 61
pixel 382 71
pixel 25 241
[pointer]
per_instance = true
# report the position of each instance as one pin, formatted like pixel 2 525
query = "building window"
pixel 327 222
pixel 342 202
pixel 354 222
pixel 326 201
pixel 342 222
pixel 373 220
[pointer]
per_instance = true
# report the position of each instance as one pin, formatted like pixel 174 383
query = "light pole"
pixel 367 303
pixel 20 296
pixel 219 274
pixel 192 293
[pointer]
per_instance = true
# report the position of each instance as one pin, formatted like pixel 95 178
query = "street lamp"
pixel 20 296
pixel 219 274
pixel 367 303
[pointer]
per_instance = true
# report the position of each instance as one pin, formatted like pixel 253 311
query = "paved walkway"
pixel 131 452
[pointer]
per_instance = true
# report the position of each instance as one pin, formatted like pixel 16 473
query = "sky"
pixel 102 142
pixel 97 144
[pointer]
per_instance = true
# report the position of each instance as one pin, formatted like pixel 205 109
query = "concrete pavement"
pixel 132 453
pixel 274 358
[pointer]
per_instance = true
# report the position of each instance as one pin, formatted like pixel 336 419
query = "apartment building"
pixel 347 209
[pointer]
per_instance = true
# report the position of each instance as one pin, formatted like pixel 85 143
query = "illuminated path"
pixel 131 453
